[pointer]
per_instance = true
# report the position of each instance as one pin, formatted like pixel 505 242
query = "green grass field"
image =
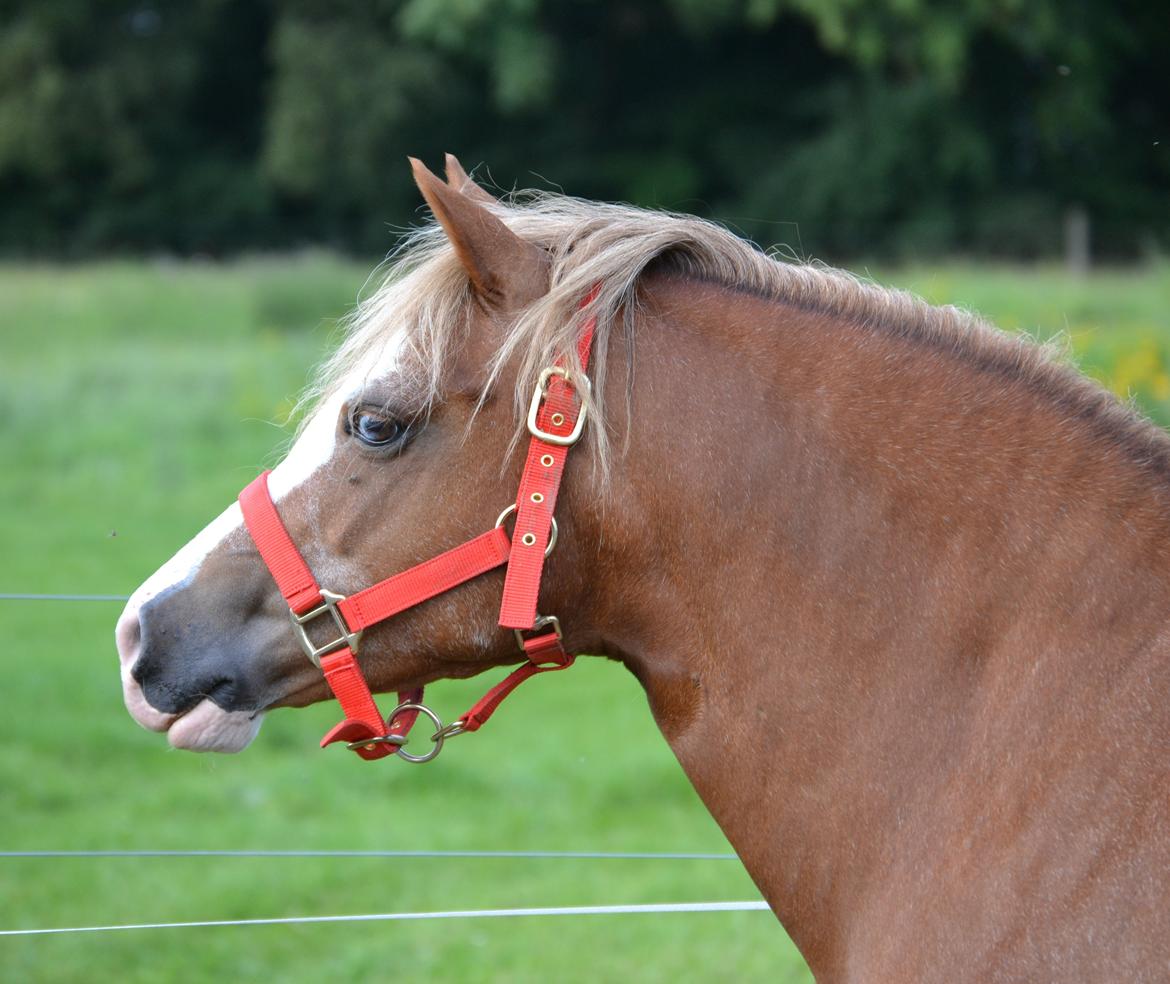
pixel 135 401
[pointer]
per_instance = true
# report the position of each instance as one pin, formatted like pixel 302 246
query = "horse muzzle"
pixel 183 680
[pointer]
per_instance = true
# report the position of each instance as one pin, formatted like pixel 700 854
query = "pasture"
pixel 135 401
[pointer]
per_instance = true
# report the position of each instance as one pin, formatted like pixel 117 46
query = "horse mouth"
pixel 204 727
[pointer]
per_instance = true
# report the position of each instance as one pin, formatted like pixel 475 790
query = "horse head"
pixel 409 450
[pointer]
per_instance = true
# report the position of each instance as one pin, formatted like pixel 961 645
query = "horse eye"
pixel 374 428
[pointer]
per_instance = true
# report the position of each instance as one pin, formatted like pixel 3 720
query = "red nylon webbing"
pixel 425 580
pixel 543 468
pixel 344 677
pixel 486 706
pixel 535 503
pixel 362 718
pixel 288 567
pixel 299 588
pixel 546 650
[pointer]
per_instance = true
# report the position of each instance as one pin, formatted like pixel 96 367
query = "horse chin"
pixel 206 727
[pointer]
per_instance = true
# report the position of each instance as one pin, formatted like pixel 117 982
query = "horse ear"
pixel 505 271
pixel 460 180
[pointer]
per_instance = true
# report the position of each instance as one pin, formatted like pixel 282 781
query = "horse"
pixel 896 584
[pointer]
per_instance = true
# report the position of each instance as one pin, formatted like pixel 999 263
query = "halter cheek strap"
pixel 555 420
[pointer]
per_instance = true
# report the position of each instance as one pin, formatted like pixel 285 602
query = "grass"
pixel 1115 324
pixel 135 401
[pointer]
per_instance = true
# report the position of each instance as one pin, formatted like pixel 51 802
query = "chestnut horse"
pixel 897 585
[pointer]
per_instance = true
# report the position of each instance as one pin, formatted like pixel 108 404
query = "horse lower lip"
pixel 165 724
pixel 206 727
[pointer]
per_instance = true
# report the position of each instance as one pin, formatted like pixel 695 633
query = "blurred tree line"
pixel 841 127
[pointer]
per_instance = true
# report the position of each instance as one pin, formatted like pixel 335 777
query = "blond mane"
pixel 422 303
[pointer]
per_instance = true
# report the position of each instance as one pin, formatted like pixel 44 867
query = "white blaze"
pixel 311 451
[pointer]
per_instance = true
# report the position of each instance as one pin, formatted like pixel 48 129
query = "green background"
pixel 135 400
pixel 151 150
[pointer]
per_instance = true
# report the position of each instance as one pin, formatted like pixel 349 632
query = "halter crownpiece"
pixel 556 419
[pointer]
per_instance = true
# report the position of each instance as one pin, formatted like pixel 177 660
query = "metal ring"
pixel 450 731
pixel 552 540
pixel 398 740
pixel 438 746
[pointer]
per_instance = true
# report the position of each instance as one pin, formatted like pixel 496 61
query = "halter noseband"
pixel 555 421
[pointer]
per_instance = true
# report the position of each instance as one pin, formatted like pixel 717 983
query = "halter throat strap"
pixel 555 420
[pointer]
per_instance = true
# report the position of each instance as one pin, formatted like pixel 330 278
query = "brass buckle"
pixel 542 622
pixel 347 638
pixel 564 440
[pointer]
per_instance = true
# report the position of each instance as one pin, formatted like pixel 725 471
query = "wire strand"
pixel 19 596
pixel 573 910
pixel 554 855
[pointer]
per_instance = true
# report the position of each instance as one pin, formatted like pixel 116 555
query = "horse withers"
pixel 913 570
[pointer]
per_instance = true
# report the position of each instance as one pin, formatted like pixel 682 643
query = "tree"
pixel 841 127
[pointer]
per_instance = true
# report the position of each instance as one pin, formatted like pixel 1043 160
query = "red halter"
pixel 555 421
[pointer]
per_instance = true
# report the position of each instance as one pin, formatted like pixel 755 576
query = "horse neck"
pixel 842 557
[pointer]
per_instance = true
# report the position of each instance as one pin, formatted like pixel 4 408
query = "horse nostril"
pixel 128 635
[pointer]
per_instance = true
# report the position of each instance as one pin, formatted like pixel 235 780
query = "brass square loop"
pixel 346 638
pixel 542 622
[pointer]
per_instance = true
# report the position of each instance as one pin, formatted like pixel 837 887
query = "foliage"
pixel 889 127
